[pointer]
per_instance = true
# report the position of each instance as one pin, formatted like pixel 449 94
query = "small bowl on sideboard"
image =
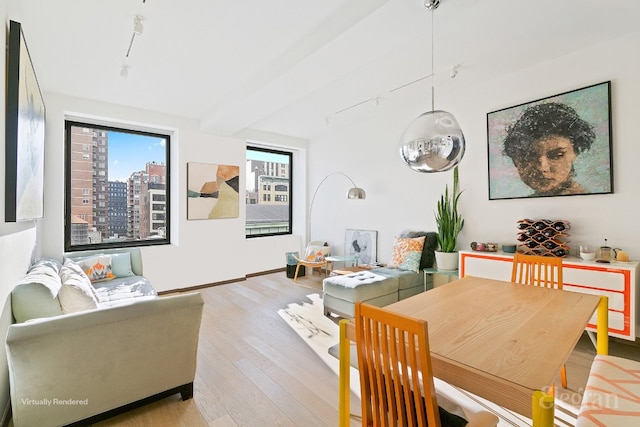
pixel 509 248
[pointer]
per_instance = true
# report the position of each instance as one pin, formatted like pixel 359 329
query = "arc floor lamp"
pixel 355 193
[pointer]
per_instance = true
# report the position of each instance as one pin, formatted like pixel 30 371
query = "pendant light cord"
pixel 433 76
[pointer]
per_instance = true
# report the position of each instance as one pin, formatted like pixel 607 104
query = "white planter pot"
pixel 447 261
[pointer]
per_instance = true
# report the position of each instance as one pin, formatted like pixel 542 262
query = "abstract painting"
pixel 363 244
pixel 25 122
pixel 212 191
pixel 555 146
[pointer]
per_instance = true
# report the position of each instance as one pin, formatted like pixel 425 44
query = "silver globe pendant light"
pixel 434 141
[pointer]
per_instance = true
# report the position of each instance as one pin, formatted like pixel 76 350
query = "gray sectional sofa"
pixel 379 286
pixel 86 365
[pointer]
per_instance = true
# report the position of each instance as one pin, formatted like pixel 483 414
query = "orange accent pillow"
pixel 402 248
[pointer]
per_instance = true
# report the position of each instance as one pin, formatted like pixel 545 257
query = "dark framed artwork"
pixel 555 146
pixel 24 138
pixel 363 244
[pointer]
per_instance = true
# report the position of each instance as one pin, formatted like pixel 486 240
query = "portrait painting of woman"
pixel 555 146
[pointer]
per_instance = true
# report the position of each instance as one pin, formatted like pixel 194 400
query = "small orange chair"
pixel 314 257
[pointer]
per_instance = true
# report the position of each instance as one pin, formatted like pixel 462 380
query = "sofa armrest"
pixel 67 368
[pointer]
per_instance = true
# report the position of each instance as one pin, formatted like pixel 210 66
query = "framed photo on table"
pixel 361 244
pixel 554 146
pixel 24 133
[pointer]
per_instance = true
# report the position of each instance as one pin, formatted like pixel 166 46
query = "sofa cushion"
pixel 121 264
pixel 76 293
pixel 406 279
pixel 123 289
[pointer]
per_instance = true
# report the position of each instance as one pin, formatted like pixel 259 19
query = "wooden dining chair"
pixel 396 379
pixel 537 270
pixel 543 271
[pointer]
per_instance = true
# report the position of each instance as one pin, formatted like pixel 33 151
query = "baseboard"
pixel 224 282
pixel 262 273
pixel 198 287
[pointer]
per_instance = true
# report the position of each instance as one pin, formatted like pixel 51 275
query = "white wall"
pixel 398 198
pixel 202 252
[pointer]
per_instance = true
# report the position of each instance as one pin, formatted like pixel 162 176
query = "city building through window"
pixel 268 193
pixel 116 187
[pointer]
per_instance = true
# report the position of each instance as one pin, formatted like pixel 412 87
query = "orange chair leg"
pixel 295 276
pixel 563 376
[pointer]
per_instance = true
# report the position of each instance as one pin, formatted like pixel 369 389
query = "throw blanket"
pixel 357 279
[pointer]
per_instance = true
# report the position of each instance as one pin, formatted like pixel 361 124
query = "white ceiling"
pixel 286 66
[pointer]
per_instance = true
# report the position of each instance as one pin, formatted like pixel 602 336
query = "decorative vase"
pixel 447 261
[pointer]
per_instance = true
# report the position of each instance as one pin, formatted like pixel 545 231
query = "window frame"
pixel 289 154
pixel 122 128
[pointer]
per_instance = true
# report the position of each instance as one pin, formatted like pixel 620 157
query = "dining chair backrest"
pixel 395 369
pixel 537 270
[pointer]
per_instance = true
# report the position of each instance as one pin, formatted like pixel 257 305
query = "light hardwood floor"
pixel 253 370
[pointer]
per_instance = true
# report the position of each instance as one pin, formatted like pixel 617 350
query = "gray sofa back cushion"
pixel 135 254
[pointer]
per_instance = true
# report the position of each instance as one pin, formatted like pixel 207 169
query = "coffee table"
pixel 341 258
pixel 355 268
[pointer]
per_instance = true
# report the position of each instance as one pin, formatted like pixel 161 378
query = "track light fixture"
pixel 138 26
pixel 138 29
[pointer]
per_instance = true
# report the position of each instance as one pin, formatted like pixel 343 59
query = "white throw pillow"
pixel 76 293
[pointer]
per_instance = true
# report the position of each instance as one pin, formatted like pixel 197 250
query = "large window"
pixel 268 197
pixel 116 187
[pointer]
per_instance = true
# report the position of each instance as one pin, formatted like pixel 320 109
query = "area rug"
pixel 320 333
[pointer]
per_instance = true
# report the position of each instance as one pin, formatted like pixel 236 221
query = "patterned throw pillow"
pixel 404 254
pixel 411 261
pixel 97 268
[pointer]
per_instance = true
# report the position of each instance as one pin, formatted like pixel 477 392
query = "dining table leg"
pixel 542 403
pixel 542 409
pixel 602 340
pixel 344 380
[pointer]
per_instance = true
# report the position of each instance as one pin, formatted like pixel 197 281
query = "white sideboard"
pixel 618 281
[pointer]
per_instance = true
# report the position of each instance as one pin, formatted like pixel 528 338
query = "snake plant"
pixel 448 220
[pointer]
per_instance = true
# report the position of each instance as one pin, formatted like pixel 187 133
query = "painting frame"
pixel 25 117
pixel 212 191
pixel 362 244
pixel 571 136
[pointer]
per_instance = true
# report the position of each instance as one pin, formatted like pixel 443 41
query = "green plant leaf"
pixel 448 220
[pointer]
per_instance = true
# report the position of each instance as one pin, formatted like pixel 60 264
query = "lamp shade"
pixel 356 193
pixel 433 142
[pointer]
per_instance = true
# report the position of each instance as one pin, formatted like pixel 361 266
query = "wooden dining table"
pixel 502 341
